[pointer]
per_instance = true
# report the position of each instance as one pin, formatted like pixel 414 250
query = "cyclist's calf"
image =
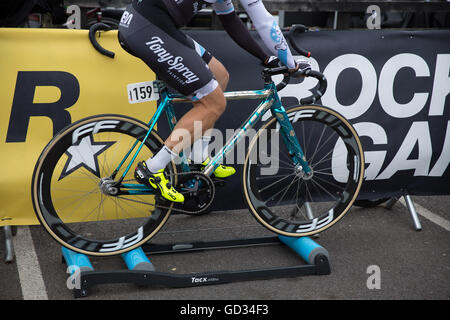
pixel 206 110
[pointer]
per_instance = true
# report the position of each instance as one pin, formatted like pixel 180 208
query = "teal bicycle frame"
pixel 270 100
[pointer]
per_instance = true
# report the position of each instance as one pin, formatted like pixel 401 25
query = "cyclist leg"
pixel 206 110
pixel 220 73
pixel 175 62
pixel 215 66
pixel 199 151
pixel 178 64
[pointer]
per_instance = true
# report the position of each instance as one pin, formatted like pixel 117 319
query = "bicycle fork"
pixel 290 139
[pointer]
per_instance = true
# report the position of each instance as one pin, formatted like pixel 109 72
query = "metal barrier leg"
pixel 410 206
pixel 308 210
pixel 310 215
pixel 412 211
pixel 390 203
pixel 335 20
pixel 9 249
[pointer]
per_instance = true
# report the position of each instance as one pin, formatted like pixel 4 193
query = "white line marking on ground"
pixel 437 219
pixel 30 275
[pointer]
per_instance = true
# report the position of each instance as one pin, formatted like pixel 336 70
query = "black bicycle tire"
pixel 42 159
pixel 260 216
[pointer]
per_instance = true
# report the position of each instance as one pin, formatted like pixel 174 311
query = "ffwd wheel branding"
pixel 290 202
pixel 93 128
pixel 72 182
pixel 124 242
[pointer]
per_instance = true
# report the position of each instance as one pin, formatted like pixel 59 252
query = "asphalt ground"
pixel 412 264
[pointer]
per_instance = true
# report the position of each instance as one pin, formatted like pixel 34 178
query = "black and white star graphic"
pixel 84 154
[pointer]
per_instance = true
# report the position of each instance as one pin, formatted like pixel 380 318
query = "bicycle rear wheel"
pixel 73 187
pixel 281 196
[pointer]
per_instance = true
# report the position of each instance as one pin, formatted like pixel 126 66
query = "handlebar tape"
pixel 319 92
pixel 92 30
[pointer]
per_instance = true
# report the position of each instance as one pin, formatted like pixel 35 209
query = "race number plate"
pixel 142 92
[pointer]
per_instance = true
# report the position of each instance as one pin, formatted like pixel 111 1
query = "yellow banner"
pixel 50 78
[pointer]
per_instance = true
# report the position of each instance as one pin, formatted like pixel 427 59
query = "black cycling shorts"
pixel 175 58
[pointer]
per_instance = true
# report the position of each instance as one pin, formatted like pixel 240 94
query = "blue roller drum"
pixel 305 247
pixel 137 260
pixel 76 260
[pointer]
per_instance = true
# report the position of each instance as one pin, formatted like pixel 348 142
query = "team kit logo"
pixel 125 20
pixel 174 63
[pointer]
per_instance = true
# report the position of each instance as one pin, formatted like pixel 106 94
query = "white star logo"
pixel 84 154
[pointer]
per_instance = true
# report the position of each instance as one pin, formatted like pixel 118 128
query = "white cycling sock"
pixel 200 151
pixel 160 160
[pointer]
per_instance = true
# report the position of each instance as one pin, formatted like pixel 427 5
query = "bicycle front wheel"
pixel 76 193
pixel 285 199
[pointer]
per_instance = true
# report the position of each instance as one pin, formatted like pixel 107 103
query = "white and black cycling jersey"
pixel 184 10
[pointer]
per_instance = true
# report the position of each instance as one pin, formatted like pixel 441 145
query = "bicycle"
pixel 86 169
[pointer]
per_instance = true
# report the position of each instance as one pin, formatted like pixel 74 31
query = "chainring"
pixel 198 191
